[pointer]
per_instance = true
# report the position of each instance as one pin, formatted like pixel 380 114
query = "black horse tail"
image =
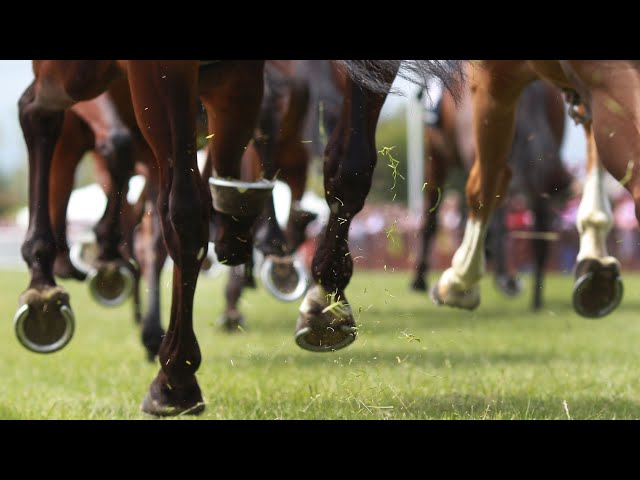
pixel 374 74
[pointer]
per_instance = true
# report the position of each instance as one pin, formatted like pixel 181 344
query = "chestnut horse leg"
pixel 326 321
pixel 44 321
pixel 111 281
pixel 163 94
pixel 495 87
pixel 75 140
pixel 598 288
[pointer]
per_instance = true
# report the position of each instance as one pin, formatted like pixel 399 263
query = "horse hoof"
pixel 151 340
pixel 598 289
pixel 419 285
pixel 448 292
pixel 509 285
pixel 231 321
pixel 284 277
pixel 45 322
pixel 64 268
pixel 162 400
pixel 111 284
pixel 324 326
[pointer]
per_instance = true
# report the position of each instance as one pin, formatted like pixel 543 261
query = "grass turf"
pixel 412 360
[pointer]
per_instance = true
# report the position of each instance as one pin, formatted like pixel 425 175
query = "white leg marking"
pixel 468 263
pixel 594 219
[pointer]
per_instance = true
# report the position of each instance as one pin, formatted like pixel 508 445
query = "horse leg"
pixel 542 223
pixel 507 282
pixel 44 322
pixel 598 288
pixel 283 275
pixel 111 280
pixel 232 97
pixel 75 140
pixel 326 321
pixel 155 259
pixel 495 88
pixel 436 171
pixel 231 319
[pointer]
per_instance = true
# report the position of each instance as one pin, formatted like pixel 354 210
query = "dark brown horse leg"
pixel 155 259
pixel 232 96
pixel 231 319
pixel 326 322
pixel 75 140
pixel 283 275
pixel 506 281
pixel 111 282
pixel 436 171
pixel 44 322
pixel 542 223
pixel 163 95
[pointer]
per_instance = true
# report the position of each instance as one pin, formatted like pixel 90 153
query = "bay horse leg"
pixel 495 87
pixel 111 280
pixel 44 322
pixel 75 140
pixel 155 257
pixel 283 275
pixel 164 96
pixel 598 288
pixel 326 322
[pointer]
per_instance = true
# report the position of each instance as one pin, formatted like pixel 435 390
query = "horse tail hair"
pixel 374 75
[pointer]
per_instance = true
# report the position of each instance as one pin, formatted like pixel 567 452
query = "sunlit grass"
pixel 412 359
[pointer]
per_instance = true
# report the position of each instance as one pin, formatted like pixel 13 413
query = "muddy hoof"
pixel 45 322
pixel 598 289
pixel 448 292
pixel 64 268
pixel 419 285
pixel 111 284
pixel 232 321
pixel 508 285
pixel 163 400
pixel 325 322
pixel 284 277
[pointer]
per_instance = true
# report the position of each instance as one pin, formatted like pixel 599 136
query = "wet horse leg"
pixel 44 322
pixel 495 87
pixel 326 322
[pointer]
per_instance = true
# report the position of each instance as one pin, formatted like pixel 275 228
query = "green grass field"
pixel 412 360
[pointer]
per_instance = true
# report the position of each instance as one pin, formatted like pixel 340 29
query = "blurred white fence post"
pixel 415 153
